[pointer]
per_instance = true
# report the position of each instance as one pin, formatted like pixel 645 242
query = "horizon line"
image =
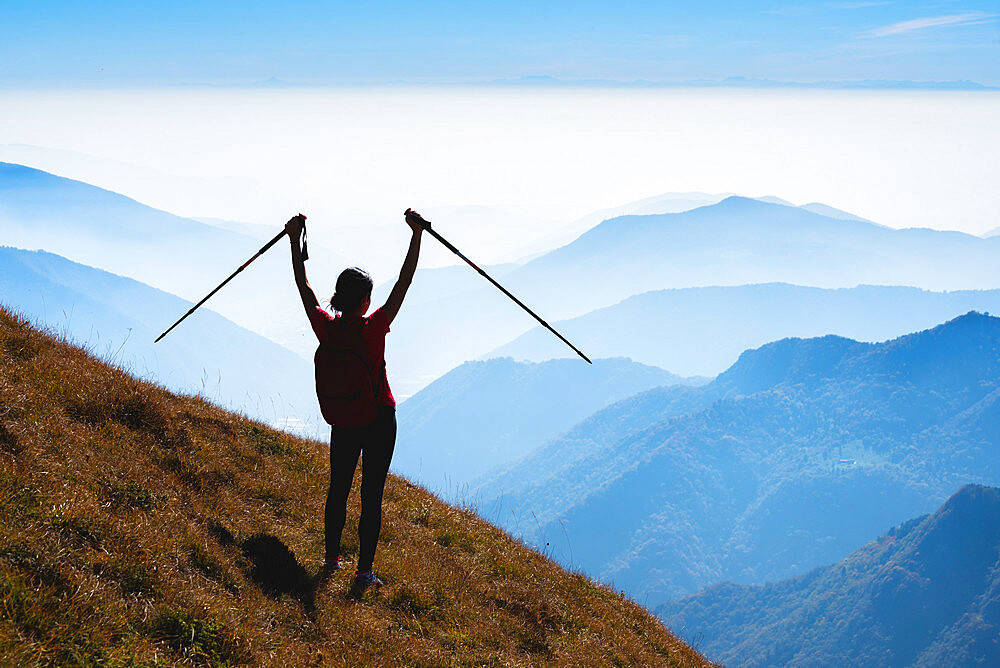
pixel 527 81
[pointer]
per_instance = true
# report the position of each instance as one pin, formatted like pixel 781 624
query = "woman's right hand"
pixel 294 226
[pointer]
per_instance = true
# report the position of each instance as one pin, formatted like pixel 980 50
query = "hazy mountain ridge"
pixel 926 593
pixel 34 197
pixel 673 202
pixel 119 318
pixel 109 231
pixel 486 414
pixel 679 329
pixel 713 477
pixel 735 242
pixel 740 241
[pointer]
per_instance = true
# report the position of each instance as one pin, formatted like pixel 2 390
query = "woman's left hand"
pixel 415 221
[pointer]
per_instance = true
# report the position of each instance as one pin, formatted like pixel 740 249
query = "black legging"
pixel 374 443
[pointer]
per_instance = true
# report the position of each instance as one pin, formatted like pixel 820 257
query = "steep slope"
pixel 486 414
pixel 118 319
pixel 98 228
pixel 926 593
pixel 690 331
pixel 715 477
pixel 735 242
pixel 137 527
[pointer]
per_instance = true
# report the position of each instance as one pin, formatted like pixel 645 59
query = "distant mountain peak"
pixel 958 326
pixel 970 318
pixel 742 200
pixel 973 495
pixel 794 360
pixel 788 360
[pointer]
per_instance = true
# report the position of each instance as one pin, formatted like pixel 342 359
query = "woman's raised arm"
pixel 395 300
pixel 294 229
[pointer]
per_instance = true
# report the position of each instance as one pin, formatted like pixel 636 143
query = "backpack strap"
pixel 375 375
pixel 362 348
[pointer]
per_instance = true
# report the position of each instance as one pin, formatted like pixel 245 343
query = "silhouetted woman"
pixel 373 442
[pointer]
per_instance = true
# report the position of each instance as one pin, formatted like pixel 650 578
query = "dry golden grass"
pixel 142 528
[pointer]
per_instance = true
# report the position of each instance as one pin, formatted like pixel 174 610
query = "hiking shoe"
pixel 327 569
pixel 362 581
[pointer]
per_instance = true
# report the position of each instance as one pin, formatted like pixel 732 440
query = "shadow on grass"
pixel 273 567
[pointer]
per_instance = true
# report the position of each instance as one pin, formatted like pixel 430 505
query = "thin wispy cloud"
pixel 968 18
pixel 859 5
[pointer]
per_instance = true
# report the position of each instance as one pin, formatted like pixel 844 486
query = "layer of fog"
pixel 353 159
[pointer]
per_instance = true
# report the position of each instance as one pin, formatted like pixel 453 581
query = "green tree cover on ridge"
pixel 799 453
pixel 925 593
pixel 488 413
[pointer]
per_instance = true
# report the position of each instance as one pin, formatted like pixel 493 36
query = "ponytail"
pixel 353 285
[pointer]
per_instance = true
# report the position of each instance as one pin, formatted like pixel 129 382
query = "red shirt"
pixel 373 332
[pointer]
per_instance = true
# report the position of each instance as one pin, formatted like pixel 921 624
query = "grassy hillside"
pixel 142 528
pixel 119 318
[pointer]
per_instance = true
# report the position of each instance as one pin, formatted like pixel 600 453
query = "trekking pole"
pixel 426 224
pixel 264 248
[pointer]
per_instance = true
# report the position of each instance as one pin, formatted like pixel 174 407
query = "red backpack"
pixel 345 379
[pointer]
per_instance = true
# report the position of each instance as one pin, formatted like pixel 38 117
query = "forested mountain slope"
pixel 926 593
pixel 486 414
pixel 798 453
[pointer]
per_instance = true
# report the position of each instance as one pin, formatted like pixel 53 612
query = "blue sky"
pixel 109 43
